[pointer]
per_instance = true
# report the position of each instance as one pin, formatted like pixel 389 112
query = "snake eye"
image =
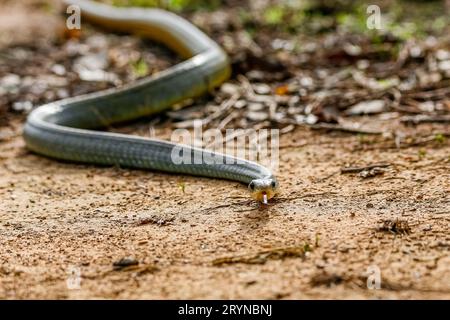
pixel 273 184
pixel 252 185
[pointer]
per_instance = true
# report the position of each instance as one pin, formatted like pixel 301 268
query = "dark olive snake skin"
pixel 65 129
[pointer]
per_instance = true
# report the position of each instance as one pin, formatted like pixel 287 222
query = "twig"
pixel 227 104
pixel 359 169
pixel 422 118
pixel 328 126
pixel 437 93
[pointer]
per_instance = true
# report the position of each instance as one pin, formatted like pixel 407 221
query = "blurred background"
pixel 297 62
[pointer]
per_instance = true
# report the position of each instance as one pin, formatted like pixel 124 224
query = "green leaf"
pixel 140 68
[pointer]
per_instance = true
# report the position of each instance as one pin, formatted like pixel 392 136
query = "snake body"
pixel 66 129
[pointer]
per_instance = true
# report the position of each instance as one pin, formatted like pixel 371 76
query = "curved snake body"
pixel 65 129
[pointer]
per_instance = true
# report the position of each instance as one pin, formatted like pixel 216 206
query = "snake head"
pixel 263 189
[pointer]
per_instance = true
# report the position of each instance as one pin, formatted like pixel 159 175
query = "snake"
pixel 70 129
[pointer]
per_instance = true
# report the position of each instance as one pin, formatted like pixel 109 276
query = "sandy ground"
pixel 60 220
pixel 63 226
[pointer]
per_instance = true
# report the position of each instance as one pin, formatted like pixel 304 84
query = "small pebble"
pixel 125 262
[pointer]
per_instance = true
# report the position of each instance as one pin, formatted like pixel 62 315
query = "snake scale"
pixel 68 129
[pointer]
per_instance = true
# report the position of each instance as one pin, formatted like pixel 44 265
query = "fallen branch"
pixel 360 169
pixel 328 126
pixel 423 118
pixel 262 257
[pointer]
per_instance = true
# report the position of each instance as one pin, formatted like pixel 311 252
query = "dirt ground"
pixel 58 216
pixel 65 227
